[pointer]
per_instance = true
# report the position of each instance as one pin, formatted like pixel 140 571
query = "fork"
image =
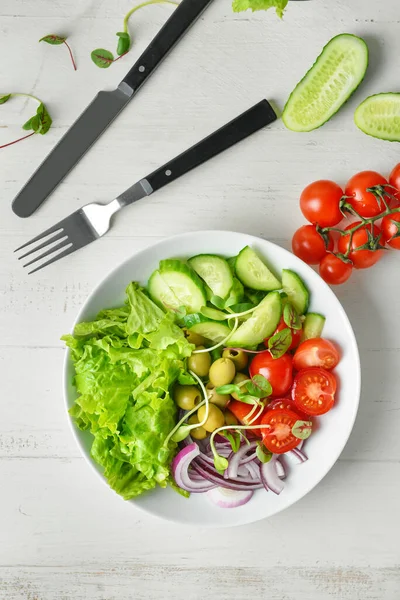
pixel 92 221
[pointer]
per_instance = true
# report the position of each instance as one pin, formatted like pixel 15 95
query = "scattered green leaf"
pixel 291 316
pixel 102 58
pixel 234 439
pixel 259 387
pixel 39 123
pixel 262 453
pixel 4 98
pixel 57 40
pixel 124 42
pixel 229 388
pixel 302 429
pixel 279 343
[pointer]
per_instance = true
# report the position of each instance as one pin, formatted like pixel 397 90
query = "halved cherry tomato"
pixel 296 335
pixel 365 203
pixel 316 352
pixel 319 203
pixel 365 258
pixel 278 437
pixel 391 230
pixel 278 371
pixel 286 404
pixel 314 390
pixel 309 245
pixel 241 411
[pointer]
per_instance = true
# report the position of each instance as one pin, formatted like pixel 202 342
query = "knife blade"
pixel 103 110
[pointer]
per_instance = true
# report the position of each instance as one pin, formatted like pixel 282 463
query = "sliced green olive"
pixel 238 357
pixel 186 396
pixel 220 400
pixel 239 377
pixel 222 371
pixel 200 363
pixel 194 338
pixel 230 418
pixel 215 417
pixel 198 433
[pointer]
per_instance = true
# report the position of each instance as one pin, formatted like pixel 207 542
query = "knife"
pixel 103 110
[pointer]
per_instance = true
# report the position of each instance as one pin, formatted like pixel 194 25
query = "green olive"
pixel 220 400
pixel 193 338
pixel 198 433
pixel 186 396
pixel 230 418
pixel 239 377
pixel 200 363
pixel 238 357
pixel 215 417
pixel 222 371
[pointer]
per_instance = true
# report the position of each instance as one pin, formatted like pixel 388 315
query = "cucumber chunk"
pixel 215 332
pixel 335 75
pixel 215 271
pixel 253 273
pixel 161 293
pixel 184 283
pixel 261 323
pixel 296 290
pixel 379 116
pixel 313 326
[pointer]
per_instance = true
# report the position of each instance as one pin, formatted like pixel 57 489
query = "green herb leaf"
pixel 221 463
pixel 39 123
pixel 4 98
pixel 186 378
pixel 54 40
pixel 279 343
pixel 248 398
pixel 218 302
pixel 291 317
pixel 233 438
pixel 242 307
pixel 262 453
pixel 102 58
pixel 213 313
pixel 279 5
pixel 229 388
pixel 182 433
pixel 124 43
pixel 232 263
pixel 302 429
pixel 259 387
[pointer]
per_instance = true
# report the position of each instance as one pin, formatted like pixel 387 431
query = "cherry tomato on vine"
pixel 366 204
pixel 391 230
pixel 241 412
pixel 319 203
pixel 334 270
pixel 314 390
pixel 316 352
pixel 309 245
pixel 278 437
pixel 394 180
pixel 278 371
pixel 296 334
pixel 361 259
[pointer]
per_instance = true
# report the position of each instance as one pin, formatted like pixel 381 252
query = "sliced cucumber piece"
pixel 161 293
pixel 379 116
pixel 254 273
pixel 215 271
pixel 296 290
pixel 184 283
pixel 313 326
pixel 211 330
pixel 261 323
pixel 335 75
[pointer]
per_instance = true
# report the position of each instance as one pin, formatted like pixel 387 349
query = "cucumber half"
pixel 296 290
pixel 261 324
pixel 161 293
pixel 313 326
pixel 379 116
pixel 185 284
pixel 211 330
pixel 215 271
pixel 254 273
pixel 330 82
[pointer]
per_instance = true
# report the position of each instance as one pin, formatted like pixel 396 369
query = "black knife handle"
pixel 181 19
pixel 252 120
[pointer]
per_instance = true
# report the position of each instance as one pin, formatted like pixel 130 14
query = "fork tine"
pixel 54 249
pixel 60 235
pixel 53 229
pixel 57 257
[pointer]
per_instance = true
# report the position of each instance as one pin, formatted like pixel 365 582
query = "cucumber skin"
pixel 199 328
pixel 192 262
pixel 313 317
pixel 155 297
pixel 277 284
pixel 174 264
pixel 302 285
pixel 386 139
pixel 310 69
pixel 241 344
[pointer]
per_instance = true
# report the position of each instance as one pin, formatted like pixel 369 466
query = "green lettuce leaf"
pixel 241 5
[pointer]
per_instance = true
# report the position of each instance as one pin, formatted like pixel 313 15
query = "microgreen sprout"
pixel 57 40
pixel 39 123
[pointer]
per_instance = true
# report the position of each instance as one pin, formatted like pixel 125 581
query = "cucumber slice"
pixel 253 273
pixel 184 283
pixel 296 290
pixel 211 330
pixel 161 293
pixel 261 324
pixel 335 75
pixel 215 271
pixel 313 326
pixel 379 116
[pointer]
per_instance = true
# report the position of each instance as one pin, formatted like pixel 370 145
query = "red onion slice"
pixel 180 471
pixel 297 455
pixel 270 478
pixel 280 469
pixel 225 498
pixel 235 459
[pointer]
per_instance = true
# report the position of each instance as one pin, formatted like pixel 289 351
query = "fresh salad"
pixel 206 380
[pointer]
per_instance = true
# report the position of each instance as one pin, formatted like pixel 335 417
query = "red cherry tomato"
pixel 316 352
pixel 394 180
pixel 241 412
pixel 309 245
pixel 361 259
pixel 319 203
pixel 296 334
pixel 391 230
pixel 277 435
pixel 278 371
pixel 333 270
pixel 286 404
pixel 314 390
pixel 365 203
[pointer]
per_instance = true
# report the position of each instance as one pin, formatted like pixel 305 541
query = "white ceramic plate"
pixel 326 443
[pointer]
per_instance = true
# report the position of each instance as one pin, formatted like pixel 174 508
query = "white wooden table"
pixel 63 534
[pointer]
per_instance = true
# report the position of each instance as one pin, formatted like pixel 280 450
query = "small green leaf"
pixel 248 399
pixel 186 379
pixel 216 353
pixel 102 58
pixel 221 463
pixel 259 387
pixel 229 388
pixel 291 317
pixel 242 307
pixel 302 429
pixel 233 438
pixel 218 302
pixel 213 313
pixel 4 98
pixel 124 43
pixel 262 453
pixel 182 433
pixel 54 40
pixel 28 125
pixel 45 119
pixel 279 343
